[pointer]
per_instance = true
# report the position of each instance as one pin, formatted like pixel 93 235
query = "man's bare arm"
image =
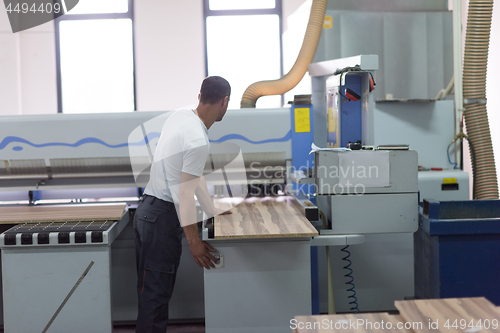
pixel 187 207
pixel 204 197
pixel 206 201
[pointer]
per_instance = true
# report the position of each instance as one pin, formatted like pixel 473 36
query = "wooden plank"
pixel 55 213
pixel 350 323
pixel 465 313
pixel 266 217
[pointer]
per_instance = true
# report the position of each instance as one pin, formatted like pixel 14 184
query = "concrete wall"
pixel 27 69
pixel 169 53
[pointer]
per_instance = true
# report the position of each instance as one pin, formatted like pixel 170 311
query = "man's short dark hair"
pixel 214 89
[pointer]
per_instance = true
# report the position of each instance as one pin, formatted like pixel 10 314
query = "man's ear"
pixel 199 96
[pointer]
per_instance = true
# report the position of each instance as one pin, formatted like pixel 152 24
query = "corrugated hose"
pixel 305 57
pixel 474 92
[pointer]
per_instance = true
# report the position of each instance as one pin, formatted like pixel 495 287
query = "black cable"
pixel 356 68
pixel 448 154
pixel 343 96
pixel 461 154
pixel 354 302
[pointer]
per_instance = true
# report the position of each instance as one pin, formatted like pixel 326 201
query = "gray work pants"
pixel 158 236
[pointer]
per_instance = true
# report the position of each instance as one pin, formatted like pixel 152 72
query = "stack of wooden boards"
pixel 61 213
pixel 266 217
pixel 417 316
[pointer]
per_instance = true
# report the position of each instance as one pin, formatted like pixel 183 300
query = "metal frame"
pixel 277 10
pixel 457 71
pixel 129 14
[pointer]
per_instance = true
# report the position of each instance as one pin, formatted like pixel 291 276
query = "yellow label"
pixel 328 23
pixel 449 180
pixel 331 121
pixel 302 123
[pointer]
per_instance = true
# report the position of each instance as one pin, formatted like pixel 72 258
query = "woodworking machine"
pixel 57 274
pixel 368 191
pixel 380 208
pixel 82 158
pixel 77 159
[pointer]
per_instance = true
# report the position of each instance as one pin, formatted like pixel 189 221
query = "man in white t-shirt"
pixel 168 205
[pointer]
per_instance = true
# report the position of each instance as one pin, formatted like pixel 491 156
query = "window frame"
pixel 277 10
pixel 129 14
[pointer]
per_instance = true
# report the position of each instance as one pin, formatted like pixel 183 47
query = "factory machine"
pixel 367 189
pixel 61 160
pixel 56 266
pixel 76 160
pixel 392 137
pixel 367 196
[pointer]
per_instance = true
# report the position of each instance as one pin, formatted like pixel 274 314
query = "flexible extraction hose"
pixel 477 40
pixel 305 57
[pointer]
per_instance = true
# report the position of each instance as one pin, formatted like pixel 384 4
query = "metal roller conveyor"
pixel 58 233
pixel 58 273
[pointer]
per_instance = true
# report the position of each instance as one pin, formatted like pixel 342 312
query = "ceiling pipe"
pixel 305 57
pixel 477 41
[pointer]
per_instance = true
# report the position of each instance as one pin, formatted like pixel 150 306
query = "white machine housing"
pixel 445 185
pixel 387 204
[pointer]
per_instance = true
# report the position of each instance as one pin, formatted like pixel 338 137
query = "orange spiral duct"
pixel 305 57
pixel 474 92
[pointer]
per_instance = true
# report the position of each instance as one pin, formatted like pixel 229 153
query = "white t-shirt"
pixel 183 147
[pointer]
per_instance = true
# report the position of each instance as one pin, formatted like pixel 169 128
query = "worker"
pixel 168 205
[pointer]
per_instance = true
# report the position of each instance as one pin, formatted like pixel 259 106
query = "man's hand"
pixel 220 211
pixel 200 251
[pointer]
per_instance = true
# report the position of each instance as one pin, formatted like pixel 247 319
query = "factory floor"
pixel 172 328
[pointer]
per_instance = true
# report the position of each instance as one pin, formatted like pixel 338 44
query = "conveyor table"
pixel 56 274
pixel 264 274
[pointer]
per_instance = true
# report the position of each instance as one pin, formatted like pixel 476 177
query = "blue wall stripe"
pixel 241 137
pixel 14 139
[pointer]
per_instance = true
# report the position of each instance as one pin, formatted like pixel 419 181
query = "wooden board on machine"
pixel 57 213
pixel 449 315
pixel 267 217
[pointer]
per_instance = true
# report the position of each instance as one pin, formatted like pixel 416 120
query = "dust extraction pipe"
pixel 477 40
pixel 306 55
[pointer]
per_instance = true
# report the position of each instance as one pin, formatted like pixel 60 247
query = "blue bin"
pixel 457 250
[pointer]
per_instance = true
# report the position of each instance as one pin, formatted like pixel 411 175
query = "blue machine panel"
pixel 350 112
pixel 302 138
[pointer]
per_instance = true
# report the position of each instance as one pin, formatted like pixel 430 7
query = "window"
pixel 95 57
pixel 243 45
pixel 241 4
